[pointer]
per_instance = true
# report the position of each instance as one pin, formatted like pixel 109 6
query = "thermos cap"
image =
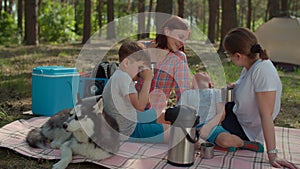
pixel 182 116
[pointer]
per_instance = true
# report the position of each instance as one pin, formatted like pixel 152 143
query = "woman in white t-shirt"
pixel 257 93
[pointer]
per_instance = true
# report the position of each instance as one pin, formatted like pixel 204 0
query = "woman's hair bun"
pixel 256 49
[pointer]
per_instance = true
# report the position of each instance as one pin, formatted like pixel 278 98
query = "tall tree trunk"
pixel 162 6
pixel 203 17
pixel 111 34
pixel 100 4
pixel 229 19
pixel 5 6
pixel 141 19
pixel 242 13
pixel 149 19
pixel 20 16
pixel 218 34
pixel 87 21
pixel 180 8
pixel 10 6
pixel 284 8
pixel 0 7
pixel 213 6
pixel 31 24
pixel 294 7
pixel 249 14
pixel 273 8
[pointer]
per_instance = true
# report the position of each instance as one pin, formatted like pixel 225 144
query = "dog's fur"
pixel 90 133
pixel 51 132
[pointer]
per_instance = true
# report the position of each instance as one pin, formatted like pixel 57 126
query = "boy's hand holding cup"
pixel 146 74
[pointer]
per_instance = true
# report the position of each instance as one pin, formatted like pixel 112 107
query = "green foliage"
pixel 4 117
pixel 56 22
pixel 232 72
pixel 8 29
pixel 79 16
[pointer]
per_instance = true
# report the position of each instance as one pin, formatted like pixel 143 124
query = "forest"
pixel 31 22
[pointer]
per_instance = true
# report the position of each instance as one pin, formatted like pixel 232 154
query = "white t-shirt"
pixel 116 102
pixel 261 77
pixel 203 101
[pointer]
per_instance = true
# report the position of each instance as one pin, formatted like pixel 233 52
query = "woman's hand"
pixel 231 85
pixel 277 162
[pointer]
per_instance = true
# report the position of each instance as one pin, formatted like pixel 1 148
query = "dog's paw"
pixel 60 165
pixel 55 145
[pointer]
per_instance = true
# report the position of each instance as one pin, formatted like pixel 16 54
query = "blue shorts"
pixel 213 133
pixel 147 130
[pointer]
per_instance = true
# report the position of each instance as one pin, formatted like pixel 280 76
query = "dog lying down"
pixel 85 130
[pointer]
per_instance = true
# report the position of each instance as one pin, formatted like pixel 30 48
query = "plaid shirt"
pixel 172 72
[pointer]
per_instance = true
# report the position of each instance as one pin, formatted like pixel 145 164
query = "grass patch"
pixel 5 117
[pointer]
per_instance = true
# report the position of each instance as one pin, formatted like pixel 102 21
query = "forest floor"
pixel 16 64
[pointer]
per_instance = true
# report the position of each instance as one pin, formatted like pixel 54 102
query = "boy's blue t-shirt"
pixel 204 101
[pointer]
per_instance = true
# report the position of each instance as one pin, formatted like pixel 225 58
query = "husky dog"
pixel 94 134
pixel 51 132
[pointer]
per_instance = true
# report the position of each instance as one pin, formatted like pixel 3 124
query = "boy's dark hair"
pixel 134 50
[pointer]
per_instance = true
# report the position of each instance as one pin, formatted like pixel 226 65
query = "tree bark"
pixel 141 19
pixel 249 14
pixel 100 4
pixel 76 17
pixel 87 21
pixel 20 16
pixel 5 5
pixel 180 8
pixel 162 6
pixel 31 24
pixel 229 19
pixel 0 7
pixel 273 8
pixel 213 6
pixel 149 19
pixel 284 8
pixel 110 18
pixel 9 10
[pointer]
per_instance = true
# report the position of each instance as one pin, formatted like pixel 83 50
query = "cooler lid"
pixel 54 70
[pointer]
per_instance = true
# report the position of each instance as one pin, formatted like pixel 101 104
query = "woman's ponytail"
pixel 258 49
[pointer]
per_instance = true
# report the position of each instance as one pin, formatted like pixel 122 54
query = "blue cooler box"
pixel 54 88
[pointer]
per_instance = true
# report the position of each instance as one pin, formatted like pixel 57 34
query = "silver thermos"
pixel 229 94
pixel 182 138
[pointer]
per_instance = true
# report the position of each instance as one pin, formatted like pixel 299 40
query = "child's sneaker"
pixel 252 146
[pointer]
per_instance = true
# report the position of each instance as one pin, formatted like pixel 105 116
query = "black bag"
pixel 100 75
pixel 105 69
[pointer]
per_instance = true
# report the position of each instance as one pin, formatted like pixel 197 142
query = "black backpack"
pixel 104 69
pixel 99 77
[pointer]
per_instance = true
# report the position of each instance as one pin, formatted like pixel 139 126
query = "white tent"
pixel 281 38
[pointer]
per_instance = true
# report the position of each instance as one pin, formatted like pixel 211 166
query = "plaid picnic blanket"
pixel 150 156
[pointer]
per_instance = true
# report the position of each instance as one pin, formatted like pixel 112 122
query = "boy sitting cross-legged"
pixel 122 101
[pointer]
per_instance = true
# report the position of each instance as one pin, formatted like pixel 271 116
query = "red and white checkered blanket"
pixel 150 156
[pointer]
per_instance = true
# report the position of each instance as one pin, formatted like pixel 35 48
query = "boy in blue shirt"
pixel 211 108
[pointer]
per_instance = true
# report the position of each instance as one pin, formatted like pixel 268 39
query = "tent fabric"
pixel 281 38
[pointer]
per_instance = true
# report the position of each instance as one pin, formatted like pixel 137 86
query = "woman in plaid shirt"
pixel 171 68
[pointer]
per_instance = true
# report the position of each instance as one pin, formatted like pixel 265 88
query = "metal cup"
pixel 229 95
pixel 207 150
pixel 152 67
